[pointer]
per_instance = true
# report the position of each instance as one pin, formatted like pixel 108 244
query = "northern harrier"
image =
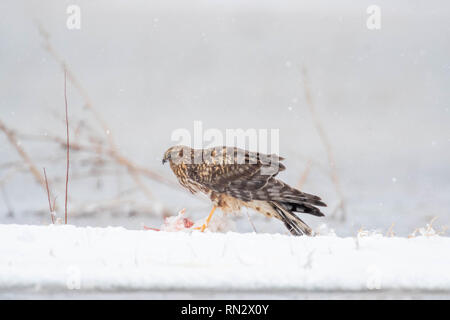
pixel 235 178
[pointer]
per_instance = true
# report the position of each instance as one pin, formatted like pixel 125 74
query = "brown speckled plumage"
pixel 233 178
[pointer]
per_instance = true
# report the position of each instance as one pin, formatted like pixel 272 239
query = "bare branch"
pixel 113 152
pixel 324 138
pixel 67 147
pixel 73 79
pixel 48 196
pixel 10 134
pixel 305 174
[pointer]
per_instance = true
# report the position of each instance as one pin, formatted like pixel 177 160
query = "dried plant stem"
pixel 390 232
pixel 21 151
pixel 323 137
pixel 51 208
pixel 113 152
pixel 73 79
pixel 305 174
pixel 67 147
pixel 251 222
pixel 7 202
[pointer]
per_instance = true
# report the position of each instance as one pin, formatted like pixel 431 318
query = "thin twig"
pixel 10 134
pixel 7 202
pixel 48 197
pixel 251 222
pixel 305 174
pixel 390 232
pixel 67 147
pixel 326 143
pixel 94 148
pixel 430 225
pixel 10 173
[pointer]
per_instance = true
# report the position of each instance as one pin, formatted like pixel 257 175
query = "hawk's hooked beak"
pixel 166 158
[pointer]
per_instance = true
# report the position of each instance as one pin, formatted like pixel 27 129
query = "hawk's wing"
pixel 250 177
pixel 225 169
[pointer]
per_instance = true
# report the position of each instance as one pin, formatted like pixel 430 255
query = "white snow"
pixel 59 257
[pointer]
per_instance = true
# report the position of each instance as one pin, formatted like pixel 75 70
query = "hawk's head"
pixel 176 153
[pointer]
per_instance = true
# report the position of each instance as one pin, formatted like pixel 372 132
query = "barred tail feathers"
pixel 294 224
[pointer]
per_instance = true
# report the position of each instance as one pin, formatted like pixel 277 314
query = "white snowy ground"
pixel 68 261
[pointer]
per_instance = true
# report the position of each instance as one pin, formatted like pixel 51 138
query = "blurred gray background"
pixel 152 67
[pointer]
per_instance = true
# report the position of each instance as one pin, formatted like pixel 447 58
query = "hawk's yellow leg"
pixel 205 225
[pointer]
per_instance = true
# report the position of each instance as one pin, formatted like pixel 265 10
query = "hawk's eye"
pixel 180 154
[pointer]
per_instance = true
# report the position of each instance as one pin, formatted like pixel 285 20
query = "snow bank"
pixel 66 257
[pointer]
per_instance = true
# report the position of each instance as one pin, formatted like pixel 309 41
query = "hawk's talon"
pixel 202 228
pixel 205 225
